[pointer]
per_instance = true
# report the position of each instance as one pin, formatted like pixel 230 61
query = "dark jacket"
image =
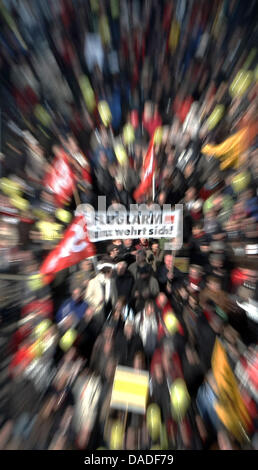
pixel 162 277
pixel 88 333
pixel 22 397
pixel 124 285
pixel 125 349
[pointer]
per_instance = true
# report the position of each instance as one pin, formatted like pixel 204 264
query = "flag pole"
pixel 76 196
pixel 153 186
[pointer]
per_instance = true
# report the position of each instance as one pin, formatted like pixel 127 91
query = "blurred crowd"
pixel 188 68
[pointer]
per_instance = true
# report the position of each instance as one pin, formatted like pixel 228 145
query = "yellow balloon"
pixel 42 115
pixel 104 112
pixel 20 203
pixel 180 399
pixel 208 205
pixel 215 116
pixel 35 282
pixel 36 349
pixel 94 5
pixel 241 181
pixel 68 339
pixel 174 35
pixel 121 154
pixel 171 323
pixel 153 417
pixel 88 93
pixel 104 30
pixel 9 187
pixel 42 327
pixel 49 230
pixel 256 73
pixel 163 437
pixel 158 135
pixel 63 215
pixel 114 6
pixel 241 83
pixel 116 436
pixel 250 59
pixel 128 134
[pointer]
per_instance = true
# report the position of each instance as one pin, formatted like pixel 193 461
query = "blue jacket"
pixel 70 306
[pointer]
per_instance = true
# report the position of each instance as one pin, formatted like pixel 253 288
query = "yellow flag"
pixel 229 150
pixel 230 407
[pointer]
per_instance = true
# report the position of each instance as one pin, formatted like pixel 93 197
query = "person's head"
pixel 216 323
pixel 108 332
pixel 103 160
pixel 168 260
pixel 141 257
pixel 119 183
pixel 121 268
pixel 120 303
pixel 112 251
pixel 162 198
pixel 167 347
pixel 144 241
pixel 191 354
pixel 72 144
pixel 197 229
pixel 86 265
pixel 195 272
pixel 190 194
pixel 107 271
pixel 148 110
pixel 216 261
pixel 205 247
pixel 117 242
pixel 128 242
pixel 183 293
pixel 171 157
pixel 149 307
pixel 161 300
pixel 76 293
pixel 129 329
pixel 158 373
pixel 154 246
pixel 214 284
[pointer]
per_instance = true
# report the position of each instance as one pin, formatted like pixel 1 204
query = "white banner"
pixel 111 227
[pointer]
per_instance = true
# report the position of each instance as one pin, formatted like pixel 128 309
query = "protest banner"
pixel 130 390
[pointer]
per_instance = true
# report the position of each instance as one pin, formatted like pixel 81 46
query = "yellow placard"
pixel 130 390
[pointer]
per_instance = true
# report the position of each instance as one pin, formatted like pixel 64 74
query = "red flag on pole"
pixel 60 179
pixel 74 247
pixel 148 171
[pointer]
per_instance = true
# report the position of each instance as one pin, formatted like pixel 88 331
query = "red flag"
pixel 148 170
pixel 74 247
pixel 60 179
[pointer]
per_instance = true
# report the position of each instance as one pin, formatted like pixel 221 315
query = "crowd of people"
pixel 190 70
